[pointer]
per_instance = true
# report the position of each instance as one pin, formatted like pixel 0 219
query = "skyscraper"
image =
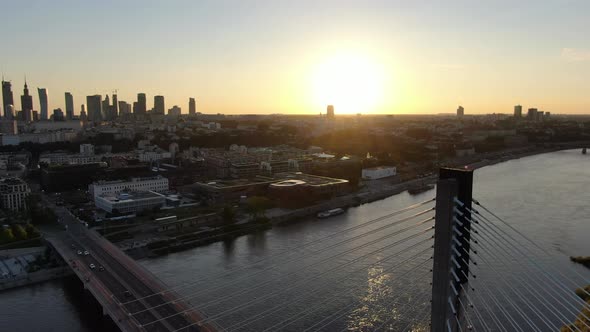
pixel 58 115
pixel 115 107
pixel 94 109
pixel 174 111
pixel 159 107
pixel 9 112
pixel 124 108
pixel 7 97
pixel 141 104
pixel 532 114
pixel 192 106
pixel 106 109
pixel 518 111
pixel 69 106
pixel 83 116
pixel 43 103
pixel 26 101
pixel 330 112
pixel 460 112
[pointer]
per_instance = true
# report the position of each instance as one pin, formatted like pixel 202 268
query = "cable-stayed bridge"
pixel 448 263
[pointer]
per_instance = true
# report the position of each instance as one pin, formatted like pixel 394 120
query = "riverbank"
pixel 378 191
pixel 371 191
pixel 35 277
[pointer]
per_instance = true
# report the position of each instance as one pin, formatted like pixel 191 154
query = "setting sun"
pixel 353 83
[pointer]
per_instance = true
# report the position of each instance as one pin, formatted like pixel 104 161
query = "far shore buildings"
pixel 288 188
pixel 13 194
pixel 153 183
pixel 129 201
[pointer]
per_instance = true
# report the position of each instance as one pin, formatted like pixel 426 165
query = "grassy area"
pixel 37 242
pixel 195 239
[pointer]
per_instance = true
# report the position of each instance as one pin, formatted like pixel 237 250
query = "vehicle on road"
pixel 101 268
pixel 79 252
pixel 92 266
pixel 86 253
pixel 127 293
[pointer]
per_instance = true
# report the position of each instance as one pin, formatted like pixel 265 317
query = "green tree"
pixel 6 235
pixel 32 231
pixel 256 205
pixel 19 232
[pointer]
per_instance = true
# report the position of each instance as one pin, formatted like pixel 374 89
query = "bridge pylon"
pixel 451 248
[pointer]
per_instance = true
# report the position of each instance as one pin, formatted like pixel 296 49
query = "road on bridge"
pixel 130 287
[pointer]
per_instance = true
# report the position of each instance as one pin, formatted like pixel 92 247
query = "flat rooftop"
pixel 230 183
pixel 313 180
pixel 376 168
pixel 12 181
pixel 129 196
pixel 286 178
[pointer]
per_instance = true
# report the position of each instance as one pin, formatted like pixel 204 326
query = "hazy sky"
pixel 263 56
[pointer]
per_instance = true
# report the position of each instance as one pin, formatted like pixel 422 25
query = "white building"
pixel 46 137
pixel 87 149
pixel 153 183
pixel 13 194
pixel 147 156
pixel 379 172
pixel 10 140
pixel 63 158
pixel 129 201
pixel 75 125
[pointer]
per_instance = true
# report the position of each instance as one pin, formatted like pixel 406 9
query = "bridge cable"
pixel 249 303
pixel 486 226
pixel 310 310
pixel 278 307
pixel 514 290
pixel 345 310
pixel 532 242
pixel 533 278
pixel 290 251
pixel 194 294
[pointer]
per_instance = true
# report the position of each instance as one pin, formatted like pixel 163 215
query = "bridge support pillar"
pixel 447 277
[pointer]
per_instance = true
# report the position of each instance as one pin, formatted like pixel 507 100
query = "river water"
pixel 293 276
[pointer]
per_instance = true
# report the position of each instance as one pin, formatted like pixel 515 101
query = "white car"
pixel 92 266
pixel 86 253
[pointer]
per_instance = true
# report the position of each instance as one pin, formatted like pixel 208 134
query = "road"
pixel 134 288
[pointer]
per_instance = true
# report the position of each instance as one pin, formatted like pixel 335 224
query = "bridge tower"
pixel 451 247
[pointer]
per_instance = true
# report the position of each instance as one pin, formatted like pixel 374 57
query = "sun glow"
pixel 353 83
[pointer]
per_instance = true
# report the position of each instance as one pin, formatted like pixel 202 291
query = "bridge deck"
pixel 122 274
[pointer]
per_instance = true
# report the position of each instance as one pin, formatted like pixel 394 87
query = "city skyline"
pixel 286 58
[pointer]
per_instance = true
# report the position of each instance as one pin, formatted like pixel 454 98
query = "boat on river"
pixel 330 213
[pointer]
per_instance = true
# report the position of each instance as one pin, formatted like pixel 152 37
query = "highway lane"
pixel 119 279
pixel 115 287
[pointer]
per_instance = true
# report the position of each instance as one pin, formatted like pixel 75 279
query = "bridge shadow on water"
pixel 86 306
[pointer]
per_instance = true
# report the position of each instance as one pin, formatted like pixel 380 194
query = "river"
pixel 546 196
